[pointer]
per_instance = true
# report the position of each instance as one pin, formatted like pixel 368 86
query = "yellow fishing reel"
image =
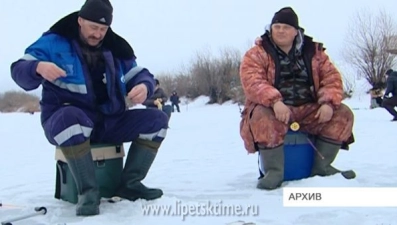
pixel 294 126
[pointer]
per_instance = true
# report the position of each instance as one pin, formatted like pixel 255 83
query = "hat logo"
pixel 102 20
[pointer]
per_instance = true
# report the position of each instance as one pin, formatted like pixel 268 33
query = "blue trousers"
pixel 72 126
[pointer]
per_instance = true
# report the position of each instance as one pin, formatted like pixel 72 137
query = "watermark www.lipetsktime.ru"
pixel 200 209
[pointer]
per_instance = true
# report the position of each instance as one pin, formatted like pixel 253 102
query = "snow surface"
pixel 202 160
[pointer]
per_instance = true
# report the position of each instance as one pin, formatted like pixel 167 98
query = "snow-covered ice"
pixel 201 161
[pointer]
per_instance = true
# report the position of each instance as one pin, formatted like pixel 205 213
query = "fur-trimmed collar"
pixel 68 27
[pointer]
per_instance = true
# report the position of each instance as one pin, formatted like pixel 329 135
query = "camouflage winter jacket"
pixel 258 77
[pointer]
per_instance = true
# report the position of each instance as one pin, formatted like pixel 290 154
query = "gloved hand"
pixel 157 102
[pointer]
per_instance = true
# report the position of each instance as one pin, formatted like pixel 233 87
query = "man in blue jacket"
pixel 86 70
pixel 158 99
pixel 390 102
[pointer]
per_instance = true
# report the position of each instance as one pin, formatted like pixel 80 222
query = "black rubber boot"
pixel 139 160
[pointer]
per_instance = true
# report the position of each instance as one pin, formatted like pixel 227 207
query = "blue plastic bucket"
pixel 298 157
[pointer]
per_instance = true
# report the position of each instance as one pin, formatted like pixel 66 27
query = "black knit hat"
pixel 389 71
pixel 286 15
pixel 98 11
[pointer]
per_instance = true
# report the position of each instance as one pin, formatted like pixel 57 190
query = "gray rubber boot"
pixel 139 160
pixel 322 166
pixel 272 160
pixel 81 165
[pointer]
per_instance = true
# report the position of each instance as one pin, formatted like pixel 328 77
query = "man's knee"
pixel 389 102
pixel 267 130
pixel 158 121
pixel 340 127
pixel 261 113
pixel 345 113
pixel 68 126
pixel 167 109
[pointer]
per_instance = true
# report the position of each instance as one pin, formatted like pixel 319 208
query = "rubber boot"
pixel 139 160
pixel 272 161
pixel 329 150
pixel 82 167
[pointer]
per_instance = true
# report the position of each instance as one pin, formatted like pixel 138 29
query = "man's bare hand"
pixel 282 112
pixel 324 113
pixel 258 41
pixel 49 71
pixel 138 94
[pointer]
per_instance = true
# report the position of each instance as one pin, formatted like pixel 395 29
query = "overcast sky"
pixel 166 33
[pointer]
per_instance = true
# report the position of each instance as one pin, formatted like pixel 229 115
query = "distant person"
pixel 175 101
pixel 390 97
pixel 376 97
pixel 86 70
pixel 158 100
pixel 286 78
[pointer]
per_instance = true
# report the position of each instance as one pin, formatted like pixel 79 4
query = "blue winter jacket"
pixel 391 83
pixel 60 46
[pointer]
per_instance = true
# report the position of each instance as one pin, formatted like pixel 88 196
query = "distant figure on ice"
pixel 376 97
pixel 286 78
pixel 158 100
pixel 390 102
pixel 86 71
pixel 175 101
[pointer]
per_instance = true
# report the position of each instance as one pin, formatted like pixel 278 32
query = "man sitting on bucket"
pixel 289 79
pixel 86 71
